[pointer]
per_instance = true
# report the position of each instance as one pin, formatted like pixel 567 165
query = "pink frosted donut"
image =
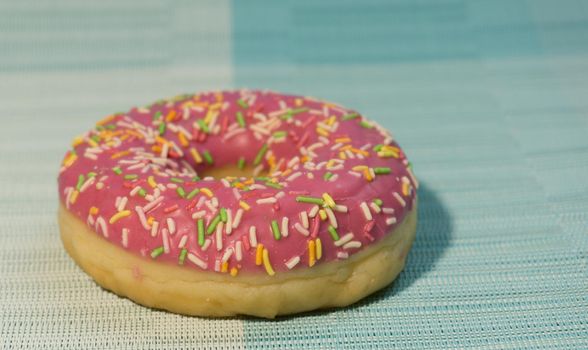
pixel 238 202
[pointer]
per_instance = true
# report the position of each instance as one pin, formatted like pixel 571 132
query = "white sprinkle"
pixel 90 156
pixel 125 237
pixel 388 210
pixel 239 250
pixel 149 206
pixel 164 150
pixel 268 200
pixel 312 213
pixel 197 261
pixel 225 183
pixel 414 180
pixel 375 207
pixel 199 214
pixel 183 241
pixel 210 206
pixel 135 190
pixel 293 176
pixel 236 193
pixel 399 199
pixel 257 187
pixel 142 218
pixel 227 254
pixel 391 221
pixel 352 244
pixel 229 225
pixel 165 239
pixel 336 146
pixel 200 202
pixel 340 208
pixel 122 203
pixel 334 178
pixel 172 186
pixel 90 221
pixel 366 211
pixel 292 262
pixel 154 228
pixel 101 223
pixel 301 229
pixel 237 219
pixel 214 202
pixel 87 184
pixel 346 238
pixel 280 194
pixel 304 219
pixel 342 255
pixel 206 244
pixel 219 236
pixel 253 236
pixel 171 225
pixel 331 216
pixel 293 162
pixel 217 265
pixel 356 174
pixel 285 225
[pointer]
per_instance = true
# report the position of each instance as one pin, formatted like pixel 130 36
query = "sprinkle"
pixel 152 204
pixel 81 179
pixel 319 249
pixel 208 157
pixel 193 193
pixel 352 244
pixel 312 213
pixel 119 215
pixel 227 255
pixel 322 214
pixel 333 231
pixel 94 210
pixel 219 236
pixel 237 219
pixel 156 252
pixel 234 272
pixel 292 262
pixel 142 217
pixel 311 253
pixel 223 214
pixel 382 171
pixel 260 154
pixel 301 229
pixel 197 261
pixel 154 228
pixel 203 126
pixel 340 208
pixel 130 176
pixel 390 221
pixel 267 264
pixel 276 230
pixel 304 219
pixel 240 119
pixel 366 124
pixel 171 225
pixel 183 241
pixel 375 207
pixel 182 256
pixel 366 211
pixel 125 237
pixel 151 181
pixel 215 221
pixel 252 237
pixel 201 232
pixel 161 129
pixel 180 191
pixel 101 223
pixel 388 210
pixel 268 200
pixel 399 199
pixel 242 103
pixel 328 200
pixel 285 226
pixel 165 239
pixel 343 240
pixel 239 250
pixel 196 155
pixel 259 254
pixel 244 205
pixel 241 163
pixel 206 191
pixel 342 255
pixel 350 116
pixel 207 244
pixel 306 199
pixel 229 222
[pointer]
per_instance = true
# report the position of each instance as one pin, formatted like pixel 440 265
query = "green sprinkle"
pixel 176 180
pixel 410 165
pixel 242 103
pixel 117 170
pixel 273 185
pixel 96 138
pixel 365 124
pixel 333 233
pixel 241 163
pixel 142 192
pixel 92 174
pixel 99 127
pixel 350 116
pixel 181 192
pixel 262 178
pixel 223 213
pixel 279 134
pixel 378 202
pixel 201 232
pixel 299 110
pixel 276 230
pixel 110 126
pixel 260 154
pixel 196 178
pixel 240 119
pixel 182 257
pixel 203 126
pixel 81 179
pixel 377 148
pixel 382 171
pixel 156 115
pixel 328 175
pixel 192 194
pixel 313 200
pixel 131 176
pixel 208 157
pixel 156 252
pixel 161 129
pixel 213 224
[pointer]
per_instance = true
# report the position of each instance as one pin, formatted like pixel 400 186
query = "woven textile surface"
pixel 487 98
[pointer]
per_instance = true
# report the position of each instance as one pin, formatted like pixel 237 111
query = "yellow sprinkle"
pixel 77 141
pixel 206 191
pixel 331 120
pixel 119 215
pixel 161 140
pixel 216 105
pixel 74 196
pixel 151 181
pixel 70 160
pixel 359 168
pixel 244 205
pixel 209 115
pixel 311 253
pixel 322 132
pixel 319 249
pixel 92 143
pixel 259 254
pixel 360 151
pixel 150 220
pixel 267 264
pixel 183 140
pixel 298 102
pixel 234 271
pixel 170 116
pixel 94 210
pixel 329 200
pixel 342 155
pixel 405 188
pixel 196 155
pixel 225 266
pixel 367 175
pixel 323 214
pixel 346 147
pixel 120 154
pixel 342 140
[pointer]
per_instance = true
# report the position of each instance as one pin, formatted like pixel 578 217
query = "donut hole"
pixel 221 172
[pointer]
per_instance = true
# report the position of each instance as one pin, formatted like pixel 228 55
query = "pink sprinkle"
pixel 315 228
pixel 369 226
pixel 170 209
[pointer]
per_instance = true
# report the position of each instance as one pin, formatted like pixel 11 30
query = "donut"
pixel 240 202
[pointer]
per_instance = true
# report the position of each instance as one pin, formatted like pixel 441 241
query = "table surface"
pixel 488 99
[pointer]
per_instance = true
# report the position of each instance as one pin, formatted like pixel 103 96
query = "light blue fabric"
pixel 487 98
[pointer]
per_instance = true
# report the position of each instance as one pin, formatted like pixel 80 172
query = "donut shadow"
pixel 434 231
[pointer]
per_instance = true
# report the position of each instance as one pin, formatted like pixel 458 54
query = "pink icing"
pixel 116 160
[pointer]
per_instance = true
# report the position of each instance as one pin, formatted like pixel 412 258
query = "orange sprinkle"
pixel 170 116
pixel 120 154
pixel 234 271
pixel 367 175
pixel 77 141
pixel 322 132
pixel 225 267
pixel 311 253
pixel 94 210
pixel 207 192
pixel 74 196
pixel 259 254
pixel 342 140
pixel 106 120
pixel 70 160
pixel 150 220
pixel 183 140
